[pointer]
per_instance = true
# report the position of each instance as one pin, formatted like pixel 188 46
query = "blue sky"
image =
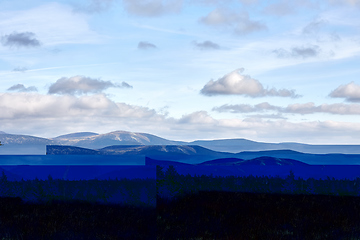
pixel 275 71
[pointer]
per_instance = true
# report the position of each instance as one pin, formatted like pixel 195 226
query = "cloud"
pixel 52 22
pixel 240 23
pixel 22 88
pixel 82 85
pixel 337 108
pixel 296 52
pixel 350 91
pixel 206 45
pixel 279 9
pixel 20 69
pixel 95 6
pixel 146 45
pixel 152 8
pixel 125 85
pixel 298 108
pixel 236 84
pixel 23 39
pixel 199 117
pixel 246 2
pixel 313 27
pixel 355 3
pixel 34 105
pixel 245 108
pixel 270 116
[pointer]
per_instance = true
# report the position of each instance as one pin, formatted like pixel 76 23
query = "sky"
pixel 269 71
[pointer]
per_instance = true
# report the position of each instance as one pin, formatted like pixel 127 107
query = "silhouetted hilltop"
pixel 223 161
pixel 265 161
pixel 69 150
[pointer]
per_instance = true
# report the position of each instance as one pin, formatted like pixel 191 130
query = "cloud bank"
pixel 298 108
pixel 34 105
pixel 82 85
pixel 235 83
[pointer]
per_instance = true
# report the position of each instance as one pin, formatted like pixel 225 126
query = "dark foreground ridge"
pixel 74 220
pixel 202 215
pixel 239 215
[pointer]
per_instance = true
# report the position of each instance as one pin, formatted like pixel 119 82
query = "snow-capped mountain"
pixel 96 141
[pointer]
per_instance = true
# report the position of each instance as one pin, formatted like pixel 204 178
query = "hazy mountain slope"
pixel 23 140
pixel 317 159
pixel 69 150
pixel 238 145
pixel 234 145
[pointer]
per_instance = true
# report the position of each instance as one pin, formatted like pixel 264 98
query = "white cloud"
pixel 38 106
pixel 240 23
pixel 350 91
pixel 236 84
pixel 200 117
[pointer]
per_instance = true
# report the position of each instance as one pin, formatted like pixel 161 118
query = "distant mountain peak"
pixel 1 132
pixel 128 136
pixel 77 135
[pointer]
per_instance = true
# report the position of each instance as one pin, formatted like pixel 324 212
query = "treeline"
pixel 139 192
pixel 170 184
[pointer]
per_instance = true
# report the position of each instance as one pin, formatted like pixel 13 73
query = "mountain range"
pixel 25 144
pixel 197 154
